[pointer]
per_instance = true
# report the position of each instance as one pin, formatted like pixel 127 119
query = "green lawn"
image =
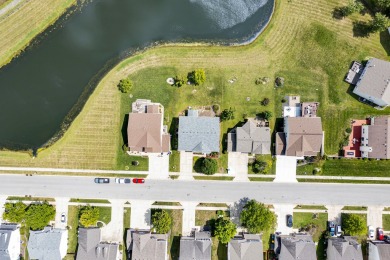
pixel 270 164
pixel 210 178
pixel 261 179
pixel 90 201
pixel 174 161
pixel 386 221
pixel 310 207
pixel 30 198
pixel 126 225
pixel 73 223
pixel 301 219
pixel 355 167
pixel 344 181
pixel 105 214
pixel 212 205
pixel 354 208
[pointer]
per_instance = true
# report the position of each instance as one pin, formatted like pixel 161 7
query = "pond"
pixel 39 88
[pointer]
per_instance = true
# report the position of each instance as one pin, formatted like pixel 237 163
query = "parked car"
pixel 138 180
pixel 102 180
pixel 331 228
pixel 272 244
pixel 338 231
pixel 122 180
pixel 289 220
pixel 63 217
pixel 379 234
pixel 371 232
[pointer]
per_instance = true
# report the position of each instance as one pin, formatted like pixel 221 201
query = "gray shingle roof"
pixel 91 248
pixel 246 247
pixel 197 247
pixel 296 246
pixel 147 246
pixel 6 232
pixel 379 250
pixel 45 244
pixel 199 134
pixel 250 139
pixel 344 248
pixel 375 80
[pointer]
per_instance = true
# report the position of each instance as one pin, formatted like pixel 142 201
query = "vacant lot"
pixel 303 43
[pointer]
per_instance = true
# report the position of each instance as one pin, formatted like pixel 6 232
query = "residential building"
pixel 90 246
pixel 49 243
pixel 378 250
pixel 295 246
pixel 254 137
pixel 354 73
pixel 198 134
pixel 9 241
pixel 145 130
pixel 375 138
pixel 198 246
pixel 246 247
pixel 374 82
pixel 344 248
pixel 302 136
pixel 142 244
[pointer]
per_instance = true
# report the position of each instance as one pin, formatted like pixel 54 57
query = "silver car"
pixel 371 232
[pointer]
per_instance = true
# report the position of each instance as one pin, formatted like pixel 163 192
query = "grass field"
pixel 386 221
pixel 313 57
pixel 303 219
pixel 73 223
pixel 20 25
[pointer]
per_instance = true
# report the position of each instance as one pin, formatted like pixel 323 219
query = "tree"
pixel 89 216
pixel 161 221
pixel 259 166
pixel 197 76
pixel 225 230
pixel 353 224
pixel 265 102
pixel 380 22
pixel 39 215
pixel 209 166
pixel 352 7
pixel 267 115
pixel 257 217
pixel 125 85
pixel 179 81
pixel 227 114
pixel 15 212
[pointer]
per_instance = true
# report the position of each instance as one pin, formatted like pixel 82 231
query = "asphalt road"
pixel 200 191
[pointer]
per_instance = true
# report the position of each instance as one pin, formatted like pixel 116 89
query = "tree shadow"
pixel 127 251
pixel 173 130
pixel 222 251
pixel 124 129
pixel 384 38
pixel 236 209
pixel 322 246
pixel 338 13
pixel 361 29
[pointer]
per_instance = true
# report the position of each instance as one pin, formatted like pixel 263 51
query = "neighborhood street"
pixel 199 191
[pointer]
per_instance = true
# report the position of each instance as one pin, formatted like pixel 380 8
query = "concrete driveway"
pixel 186 166
pixel 62 205
pixel 238 166
pixel 282 210
pixel 374 216
pixel 188 222
pixel 286 168
pixel 113 231
pixel 158 166
pixel 140 214
pixel 334 213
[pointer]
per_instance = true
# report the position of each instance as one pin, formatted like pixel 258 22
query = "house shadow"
pixel 173 131
pixel 175 248
pixel 278 127
pixel 124 129
pixel 384 38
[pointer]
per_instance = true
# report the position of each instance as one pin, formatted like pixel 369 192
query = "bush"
pixel 161 221
pixel 125 85
pixel 279 82
pixel 179 81
pixel 89 216
pixel 267 115
pixel 227 114
pixel 215 108
pixel 259 166
pixel 348 130
pixel 208 166
pixel 265 101
pixel 197 76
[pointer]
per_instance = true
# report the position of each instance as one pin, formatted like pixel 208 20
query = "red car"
pixel 380 234
pixel 138 180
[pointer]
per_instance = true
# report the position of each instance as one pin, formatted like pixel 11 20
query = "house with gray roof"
pixel 246 247
pixel 375 138
pixel 9 241
pixel 374 82
pixel 198 246
pixel 344 248
pixel 378 250
pixel 198 134
pixel 295 246
pixel 90 246
pixel 254 137
pixel 48 244
pixel 142 245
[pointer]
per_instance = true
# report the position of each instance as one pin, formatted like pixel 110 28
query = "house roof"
pixel 304 136
pixel 196 247
pixel 199 134
pixel 344 248
pixel 145 131
pixel 379 137
pixel 246 247
pixel 250 138
pixel 6 232
pixel 296 246
pixel 46 244
pixel 145 245
pixel 383 249
pixel 91 248
pixel 375 80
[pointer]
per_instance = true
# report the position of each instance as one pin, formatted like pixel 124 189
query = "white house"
pixel 9 241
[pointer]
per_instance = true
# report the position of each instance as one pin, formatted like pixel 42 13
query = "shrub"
pixel 267 115
pixel 161 221
pixel 279 82
pixel 348 130
pixel 125 85
pixel 259 166
pixel 265 101
pixel 215 108
pixel 227 114
pixel 179 81
pixel 89 216
pixel 197 76
pixel 208 166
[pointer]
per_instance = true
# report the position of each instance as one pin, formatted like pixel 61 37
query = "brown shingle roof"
pixel 379 138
